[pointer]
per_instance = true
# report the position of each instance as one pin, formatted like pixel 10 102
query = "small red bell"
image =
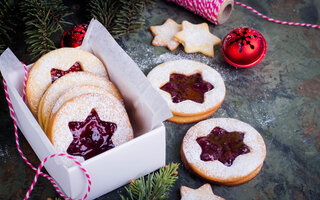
pixel 73 37
pixel 244 47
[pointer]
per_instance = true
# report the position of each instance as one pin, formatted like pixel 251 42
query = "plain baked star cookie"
pixel 163 34
pixel 202 193
pixel 197 38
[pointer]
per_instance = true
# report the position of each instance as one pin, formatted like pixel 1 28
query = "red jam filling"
pixel 222 145
pixel 182 87
pixel 91 137
pixel 57 73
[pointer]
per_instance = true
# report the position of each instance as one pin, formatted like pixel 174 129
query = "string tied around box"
pixel 38 170
pixel 218 11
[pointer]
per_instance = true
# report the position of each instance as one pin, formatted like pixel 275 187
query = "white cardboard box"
pixel 116 167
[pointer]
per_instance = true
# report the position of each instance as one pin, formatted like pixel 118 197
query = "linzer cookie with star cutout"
pixel 63 84
pixel 224 151
pixel 193 90
pixel 88 125
pixel 80 90
pixel 54 65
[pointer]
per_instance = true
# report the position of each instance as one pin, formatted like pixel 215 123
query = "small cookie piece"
pixel 88 125
pixel 197 38
pixel 193 90
pixel 163 35
pixel 60 86
pixel 202 193
pixel 223 151
pixel 55 64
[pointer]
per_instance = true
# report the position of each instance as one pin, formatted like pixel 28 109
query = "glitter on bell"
pixel 73 37
pixel 244 47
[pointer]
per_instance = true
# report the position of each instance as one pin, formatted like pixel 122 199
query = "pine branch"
pixel 7 23
pixel 155 187
pixel 104 11
pixel 42 19
pixel 147 2
pixel 129 18
pixel 119 17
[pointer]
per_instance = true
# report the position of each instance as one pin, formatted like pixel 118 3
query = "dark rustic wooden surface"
pixel 280 97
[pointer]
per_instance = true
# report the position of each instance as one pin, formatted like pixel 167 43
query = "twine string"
pixel 275 20
pixel 210 10
pixel 38 170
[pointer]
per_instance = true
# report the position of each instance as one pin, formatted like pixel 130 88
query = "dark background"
pixel 279 97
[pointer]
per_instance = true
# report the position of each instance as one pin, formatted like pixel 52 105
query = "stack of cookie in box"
pixel 80 110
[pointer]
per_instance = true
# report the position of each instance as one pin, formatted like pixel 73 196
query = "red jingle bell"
pixel 73 37
pixel 244 47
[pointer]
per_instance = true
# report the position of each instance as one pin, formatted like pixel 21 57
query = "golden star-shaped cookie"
pixel 197 38
pixel 202 193
pixel 163 35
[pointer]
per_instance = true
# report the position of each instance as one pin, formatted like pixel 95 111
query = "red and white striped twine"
pixel 24 81
pixel 209 10
pixel 275 20
pixel 38 170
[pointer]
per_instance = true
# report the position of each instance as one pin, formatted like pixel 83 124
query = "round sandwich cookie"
pixel 224 151
pixel 63 84
pixel 193 90
pixel 55 64
pixel 77 91
pixel 88 125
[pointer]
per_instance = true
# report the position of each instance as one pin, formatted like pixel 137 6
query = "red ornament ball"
pixel 244 47
pixel 73 37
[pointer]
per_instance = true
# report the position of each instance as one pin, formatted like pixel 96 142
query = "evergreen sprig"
pixel 129 18
pixel 119 17
pixel 104 11
pixel 43 19
pixel 155 187
pixel 7 22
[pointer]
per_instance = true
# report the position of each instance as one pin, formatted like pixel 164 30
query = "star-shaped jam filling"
pixel 222 145
pixel 91 137
pixel 57 73
pixel 183 87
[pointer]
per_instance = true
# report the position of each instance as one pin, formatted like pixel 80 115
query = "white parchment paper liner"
pixel 145 106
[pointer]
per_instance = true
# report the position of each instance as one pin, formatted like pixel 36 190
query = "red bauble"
pixel 73 37
pixel 244 47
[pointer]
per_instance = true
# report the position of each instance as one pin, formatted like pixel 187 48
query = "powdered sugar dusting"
pixel 77 109
pixel 242 166
pixel 68 81
pixel 147 57
pixel 77 91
